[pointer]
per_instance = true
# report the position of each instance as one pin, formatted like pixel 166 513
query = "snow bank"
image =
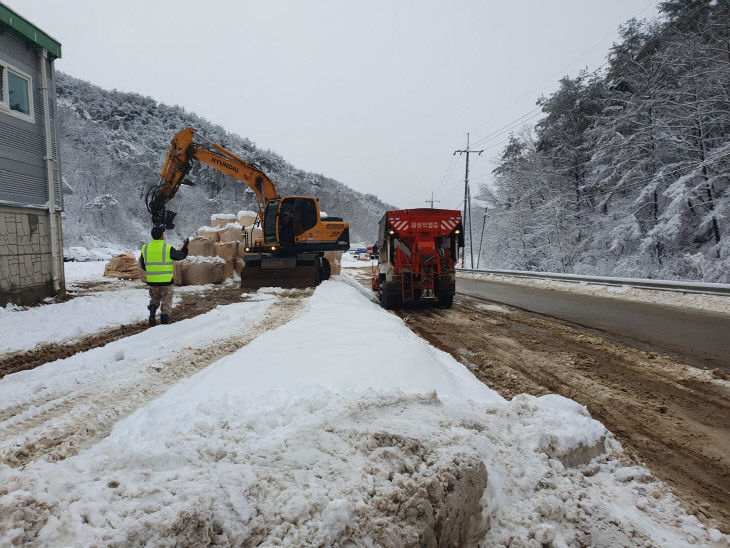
pixel 78 253
pixel 90 271
pixel 223 217
pixel 67 321
pixel 82 254
pixel 710 303
pixel 348 261
pixel 333 349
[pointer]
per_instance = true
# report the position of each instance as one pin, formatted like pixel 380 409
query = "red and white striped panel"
pixel 399 225
pixel 449 225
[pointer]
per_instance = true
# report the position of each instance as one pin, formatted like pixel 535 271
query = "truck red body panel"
pixel 417 250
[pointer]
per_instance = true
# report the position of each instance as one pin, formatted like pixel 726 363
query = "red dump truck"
pixel 417 250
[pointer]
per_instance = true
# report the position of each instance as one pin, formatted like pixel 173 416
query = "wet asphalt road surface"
pixel 701 338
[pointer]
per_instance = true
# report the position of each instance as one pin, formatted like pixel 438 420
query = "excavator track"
pixel 287 272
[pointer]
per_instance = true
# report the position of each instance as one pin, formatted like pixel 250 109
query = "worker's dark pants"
pixel 161 297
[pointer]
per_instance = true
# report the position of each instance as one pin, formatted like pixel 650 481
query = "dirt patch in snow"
pixel 669 416
pixel 69 423
pixel 191 304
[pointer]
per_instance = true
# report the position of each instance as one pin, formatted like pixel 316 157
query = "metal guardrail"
pixel 662 285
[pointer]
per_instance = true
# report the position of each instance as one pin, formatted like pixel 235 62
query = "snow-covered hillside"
pixel 113 145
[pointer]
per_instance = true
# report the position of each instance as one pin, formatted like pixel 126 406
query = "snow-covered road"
pixel 338 426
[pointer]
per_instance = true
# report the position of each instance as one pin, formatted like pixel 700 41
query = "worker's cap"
pixel 157 232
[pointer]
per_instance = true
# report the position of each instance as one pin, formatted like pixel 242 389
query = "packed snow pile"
pixel 85 272
pixel 68 321
pixel 82 254
pixel 357 260
pixel 307 437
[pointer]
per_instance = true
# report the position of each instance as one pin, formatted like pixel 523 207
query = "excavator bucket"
pixel 287 272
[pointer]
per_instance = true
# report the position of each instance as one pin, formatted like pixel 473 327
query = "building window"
pixel 16 93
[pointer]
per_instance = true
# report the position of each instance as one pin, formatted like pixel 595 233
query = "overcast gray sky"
pixel 376 94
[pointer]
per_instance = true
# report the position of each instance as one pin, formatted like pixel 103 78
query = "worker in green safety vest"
pixel 157 261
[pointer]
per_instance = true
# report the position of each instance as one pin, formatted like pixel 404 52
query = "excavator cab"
pixel 294 224
pixel 288 218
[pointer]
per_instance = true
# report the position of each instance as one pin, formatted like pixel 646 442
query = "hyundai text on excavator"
pixel 295 237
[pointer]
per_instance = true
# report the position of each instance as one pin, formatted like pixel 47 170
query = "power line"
pixel 529 116
pixel 447 174
pixel 516 121
pixel 552 77
pixel 467 196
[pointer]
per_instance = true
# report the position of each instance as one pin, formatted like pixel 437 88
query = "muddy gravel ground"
pixel 670 417
pixel 191 304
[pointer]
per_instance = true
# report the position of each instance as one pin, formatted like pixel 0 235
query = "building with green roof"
pixel 31 244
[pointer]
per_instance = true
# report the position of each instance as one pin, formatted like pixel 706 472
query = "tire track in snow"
pixel 74 422
pixel 191 304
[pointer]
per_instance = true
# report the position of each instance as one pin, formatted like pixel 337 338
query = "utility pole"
pixel 484 223
pixel 467 196
pixel 431 201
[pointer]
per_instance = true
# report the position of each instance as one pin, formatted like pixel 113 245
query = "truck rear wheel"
pixel 389 300
pixel 445 300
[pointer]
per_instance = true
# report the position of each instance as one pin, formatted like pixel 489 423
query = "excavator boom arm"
pixel 179 161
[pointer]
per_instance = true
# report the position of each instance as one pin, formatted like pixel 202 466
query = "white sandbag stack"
pixel 246 218
pixel 228 251
pixel 223 240
pixel 202 266
pixel 210 233
pixel 220 220
pixel 197 270
pixel 232 232
pixel 201 247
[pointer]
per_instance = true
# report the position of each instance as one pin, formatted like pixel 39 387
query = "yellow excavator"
pixel 295 237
